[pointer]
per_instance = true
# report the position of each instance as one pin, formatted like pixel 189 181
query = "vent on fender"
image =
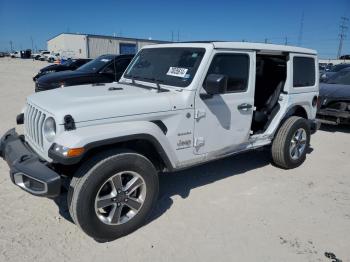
pixel 161 125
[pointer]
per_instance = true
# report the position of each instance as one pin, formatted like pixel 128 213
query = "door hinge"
pixel 199 114
pixel 199 141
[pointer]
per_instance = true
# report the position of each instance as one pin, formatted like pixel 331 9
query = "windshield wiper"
pixel 133 83
pixel 156 81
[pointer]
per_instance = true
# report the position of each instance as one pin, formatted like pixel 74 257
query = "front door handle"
pixel 244 106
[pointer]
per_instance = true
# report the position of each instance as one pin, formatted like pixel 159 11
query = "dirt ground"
pixel 237 209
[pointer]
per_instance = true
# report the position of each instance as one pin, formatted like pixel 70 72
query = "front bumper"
pixel 27 170
pixel 37 76
pixel 39 86
pixel 333 116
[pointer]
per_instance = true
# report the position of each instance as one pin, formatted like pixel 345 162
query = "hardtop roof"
pixel 241 45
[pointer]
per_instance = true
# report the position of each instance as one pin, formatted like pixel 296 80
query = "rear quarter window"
pixel 303 71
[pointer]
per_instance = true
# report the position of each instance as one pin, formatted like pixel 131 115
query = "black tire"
pixel 280 150
pixel 91 176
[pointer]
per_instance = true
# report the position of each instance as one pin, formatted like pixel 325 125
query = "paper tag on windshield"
pixel 105 60
pixel 177 71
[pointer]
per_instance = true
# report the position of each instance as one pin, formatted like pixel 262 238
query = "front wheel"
pixel 291 143
pixel 113 194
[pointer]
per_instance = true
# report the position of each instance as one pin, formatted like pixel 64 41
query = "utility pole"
pixel 31 39
pixel 172 36
pixel 11 45
pixel 286 41
pixel 342 34
pixel 300 37
pixel 266 40
pixel 178 35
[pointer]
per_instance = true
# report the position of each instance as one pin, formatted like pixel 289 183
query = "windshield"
pixel 96 65
pixel 169 66
pixel 340 78
pixel 337 68
pixel 68 62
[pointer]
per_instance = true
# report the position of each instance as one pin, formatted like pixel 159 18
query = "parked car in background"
pixel 41 56
pixel 104 69
pixel 331 71
pixel 25 54
pixel 345 57
pixel 36 56
pixel 52 57
pixel 324 67
pixel 71 64
pixel 334 100
pixel 16 54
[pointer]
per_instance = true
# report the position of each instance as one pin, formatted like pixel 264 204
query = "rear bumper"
pixel 26 169
pixel 333 116
pixel 314 125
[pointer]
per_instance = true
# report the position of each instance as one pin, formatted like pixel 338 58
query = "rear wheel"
pixel 291 142
pixel 113 195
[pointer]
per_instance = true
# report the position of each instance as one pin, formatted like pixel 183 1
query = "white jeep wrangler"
pixel 176 106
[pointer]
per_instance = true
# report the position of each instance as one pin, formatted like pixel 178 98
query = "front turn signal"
pixel 74 152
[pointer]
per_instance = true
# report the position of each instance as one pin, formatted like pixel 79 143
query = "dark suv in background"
pixel 104 69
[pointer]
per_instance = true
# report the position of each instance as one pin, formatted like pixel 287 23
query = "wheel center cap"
pixel 120 197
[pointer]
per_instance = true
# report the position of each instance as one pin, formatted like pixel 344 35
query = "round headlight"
pixel 50 129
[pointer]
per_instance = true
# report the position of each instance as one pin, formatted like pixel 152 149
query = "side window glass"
pixel 121 65
pixel 109 69
pixel 235 67
pixel 303 71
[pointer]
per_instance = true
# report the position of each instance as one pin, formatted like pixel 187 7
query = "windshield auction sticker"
pixel 177 71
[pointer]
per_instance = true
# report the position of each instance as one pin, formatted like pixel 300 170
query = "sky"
pixel 274 21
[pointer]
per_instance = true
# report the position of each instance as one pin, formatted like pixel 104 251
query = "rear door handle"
pixel 244 106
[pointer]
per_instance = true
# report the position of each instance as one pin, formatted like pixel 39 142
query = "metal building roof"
pixel 112 37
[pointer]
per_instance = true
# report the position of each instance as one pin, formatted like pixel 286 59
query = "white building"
pixel 92 46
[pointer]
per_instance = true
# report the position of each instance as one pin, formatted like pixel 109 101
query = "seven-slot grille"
pixel 34 121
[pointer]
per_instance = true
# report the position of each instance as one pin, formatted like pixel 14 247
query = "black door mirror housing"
pixel 215 84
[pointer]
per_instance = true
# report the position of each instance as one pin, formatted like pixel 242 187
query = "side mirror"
pixel 215 84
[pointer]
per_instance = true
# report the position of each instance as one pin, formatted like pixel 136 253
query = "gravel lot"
pixel 238 209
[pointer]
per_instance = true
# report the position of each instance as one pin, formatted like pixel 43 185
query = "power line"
pixel 342 35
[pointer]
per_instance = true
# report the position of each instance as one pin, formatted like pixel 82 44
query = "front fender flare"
pixel 91 137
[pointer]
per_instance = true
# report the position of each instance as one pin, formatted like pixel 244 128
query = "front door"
pixel 223 121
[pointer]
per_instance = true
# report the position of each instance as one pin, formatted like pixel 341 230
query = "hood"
pixel 335 91
pixel 89 102
pixel 53 67
pixel 328 73
pixel 61 76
